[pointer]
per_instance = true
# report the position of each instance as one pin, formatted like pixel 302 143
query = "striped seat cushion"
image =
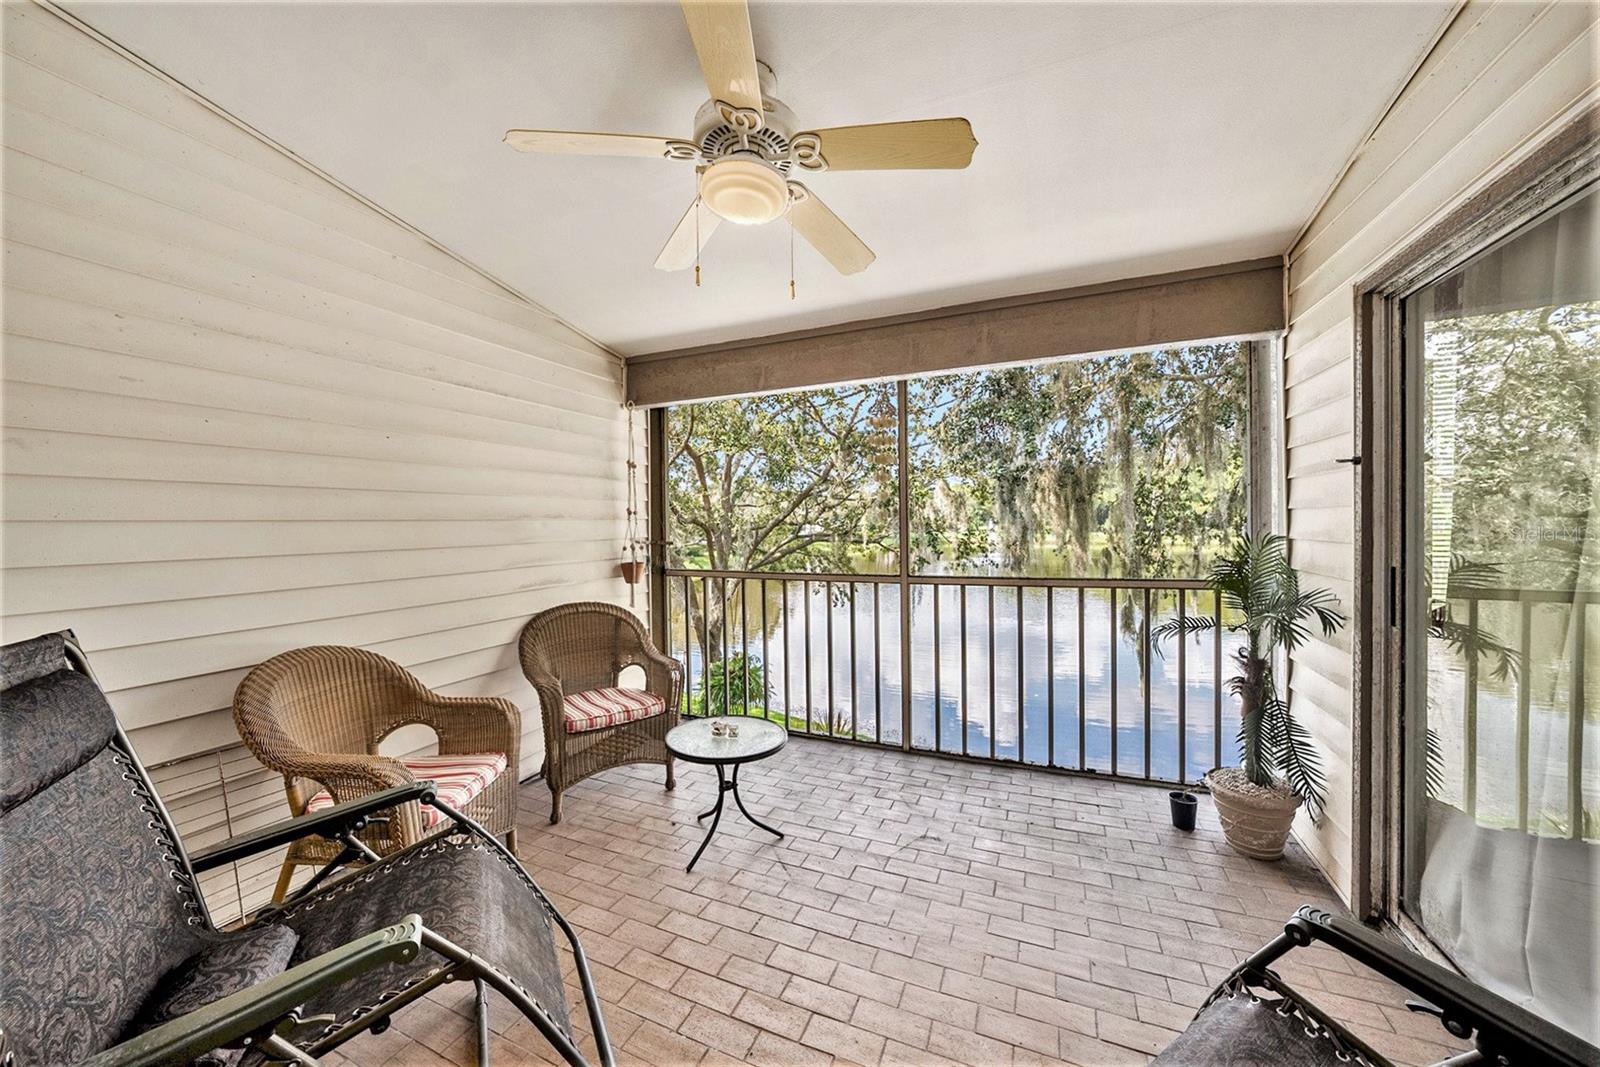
pixel 459 778
pixel 594 708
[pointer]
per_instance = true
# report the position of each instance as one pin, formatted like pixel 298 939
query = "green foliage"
pixel 1513 438
pixel 1130 465
pixel 728 688
pixel 1261 595
pixel 786 482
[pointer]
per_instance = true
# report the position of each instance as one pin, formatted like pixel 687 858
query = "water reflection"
pixel 1032 660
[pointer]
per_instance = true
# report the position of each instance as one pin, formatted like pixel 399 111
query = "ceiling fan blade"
pixel 721 33
pixel 577 143
pixel 926 144
pixel 679 251
pixel 827 233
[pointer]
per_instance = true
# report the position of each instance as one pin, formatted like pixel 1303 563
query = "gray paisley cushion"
pixel 23 661
pixel 1240 1031
pixel 93 912
pixel 52 725
pixel 464 891
pixel 230 963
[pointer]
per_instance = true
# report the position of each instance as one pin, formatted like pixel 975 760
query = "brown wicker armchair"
pixel 573 655
pixel 316 715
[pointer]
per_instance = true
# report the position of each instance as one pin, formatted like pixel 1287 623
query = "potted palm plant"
pixel 1262 599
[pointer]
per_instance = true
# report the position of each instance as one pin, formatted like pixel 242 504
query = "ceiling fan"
pixel 748 148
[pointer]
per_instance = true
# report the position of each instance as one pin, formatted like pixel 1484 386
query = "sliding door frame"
pixel 1566 162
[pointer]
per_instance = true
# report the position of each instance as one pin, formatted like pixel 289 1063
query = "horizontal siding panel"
pixel 1321 456
pixel 138 665
pixel 134 456
pixel 1332 487
pixel 115 262
pixel 245 412
pixel 40 589
pixel 1319 424
pixel 91 499
pixel 76 544
pixel 129 379
pixel 119 627
pixel 1312 354
pixel 99 415
pixel 164 338
pixel 1329 525
pixel 1321 388
pixel 1321 562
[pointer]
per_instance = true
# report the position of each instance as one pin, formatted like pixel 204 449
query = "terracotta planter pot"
pixel 1255 821
pixel 632 571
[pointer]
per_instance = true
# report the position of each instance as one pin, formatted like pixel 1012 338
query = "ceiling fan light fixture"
pixel 745 190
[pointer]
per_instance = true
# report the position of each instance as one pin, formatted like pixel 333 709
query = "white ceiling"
pixel 1115 139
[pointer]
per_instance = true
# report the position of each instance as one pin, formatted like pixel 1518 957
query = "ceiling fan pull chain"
pixel 791 259
pixel 697 242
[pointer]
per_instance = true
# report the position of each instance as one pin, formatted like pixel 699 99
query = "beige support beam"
pixel 1233 300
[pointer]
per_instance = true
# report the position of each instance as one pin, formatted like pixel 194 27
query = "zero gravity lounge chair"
pixel 112 958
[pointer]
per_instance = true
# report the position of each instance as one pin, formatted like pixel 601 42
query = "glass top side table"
pixel 694 742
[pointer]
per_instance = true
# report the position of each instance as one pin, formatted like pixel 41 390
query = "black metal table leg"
pixel 725 784
pixel 716 817
pixel 737 799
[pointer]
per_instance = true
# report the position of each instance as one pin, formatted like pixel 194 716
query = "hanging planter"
pixel 635 551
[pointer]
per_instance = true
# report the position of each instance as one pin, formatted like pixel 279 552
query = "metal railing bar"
pixel 1005 581
pixel 1144 652
pixel 1524 698
pixel 705 640
pixel 938 695
pixel 1083 718
pixel 1183 693
pixel 1113 686
pixel 991 672
pixel 744 639
pixel 827 615
pixel 1022 692
pixel 766 656
pixel 1216 683
pixel 877 666
pixel 1114 680
pixel 688 647
pixel 966 682
pixel 788 659
pixel 1469 752
pixel 1050 675
pixel 1575 710
pixel 902 393
pixel 805 593
pixel 725 687
pixel 853 663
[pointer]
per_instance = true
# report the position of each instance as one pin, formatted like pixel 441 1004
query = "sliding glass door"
pixel 1500 732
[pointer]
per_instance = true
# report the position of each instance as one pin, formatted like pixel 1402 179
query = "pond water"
pixel 848 678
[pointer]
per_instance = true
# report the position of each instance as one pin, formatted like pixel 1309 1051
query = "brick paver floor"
pixel 920 911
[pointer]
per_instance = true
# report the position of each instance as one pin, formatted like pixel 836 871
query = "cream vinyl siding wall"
pixel 245 411
pixel 1502 75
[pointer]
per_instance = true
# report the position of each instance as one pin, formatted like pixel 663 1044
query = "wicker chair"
pixel 316 716
pixel 573 655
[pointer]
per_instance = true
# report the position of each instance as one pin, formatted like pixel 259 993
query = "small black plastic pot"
pixel 1184 805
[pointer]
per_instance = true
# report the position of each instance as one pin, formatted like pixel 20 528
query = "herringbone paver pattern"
pixel 920 911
